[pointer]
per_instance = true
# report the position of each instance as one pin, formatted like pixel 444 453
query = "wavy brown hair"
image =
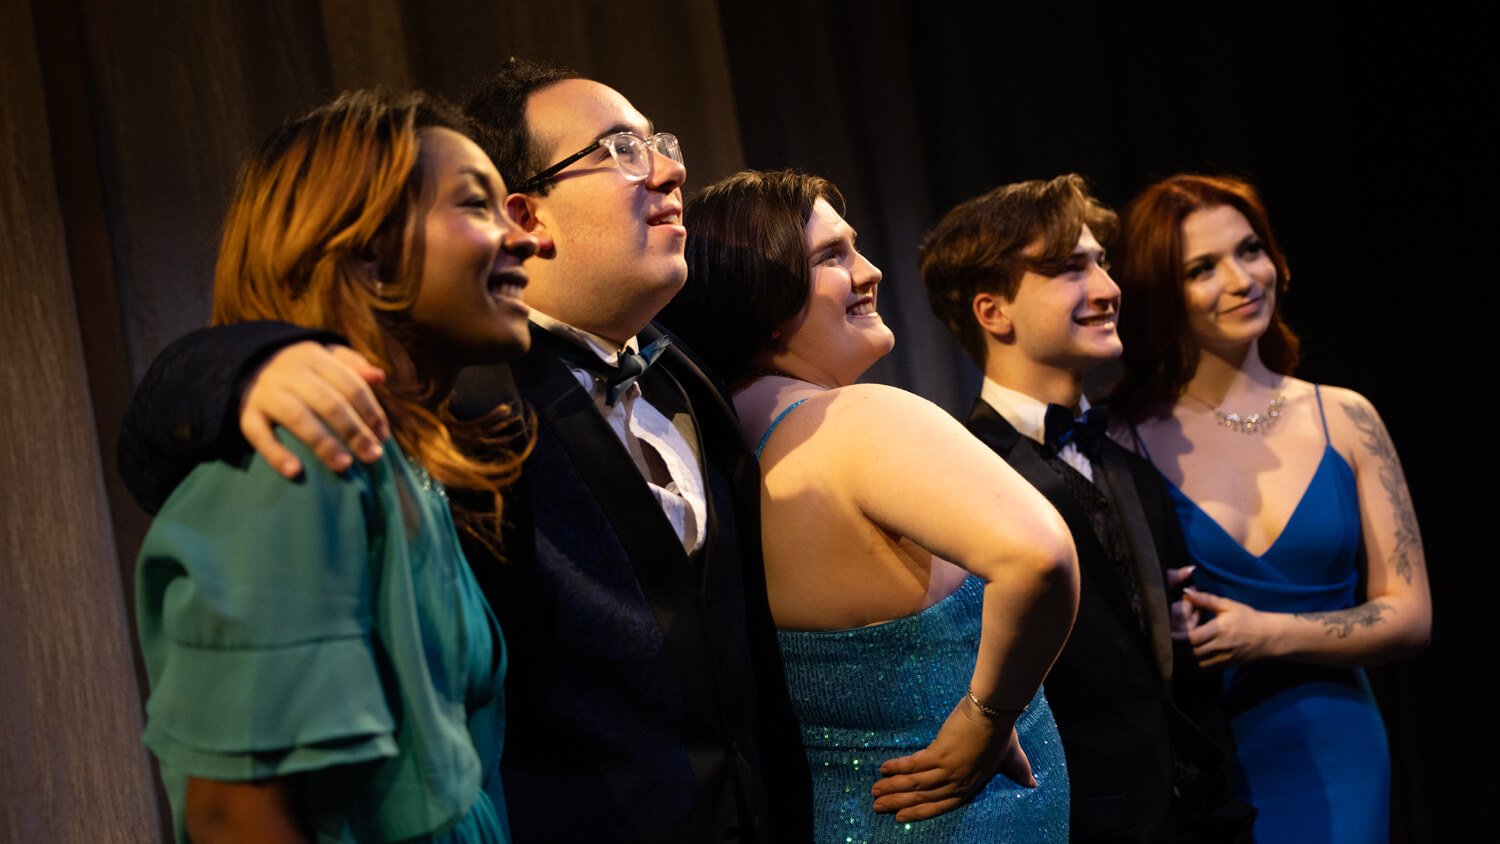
pixel 316 236
pixel 980 247
pixel 1160 353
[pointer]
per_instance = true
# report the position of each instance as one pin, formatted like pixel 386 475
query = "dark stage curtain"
pixel 121 124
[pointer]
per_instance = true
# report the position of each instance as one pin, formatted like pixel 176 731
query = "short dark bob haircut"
pixel 1160 352
pixel 979 247
pixel 748 267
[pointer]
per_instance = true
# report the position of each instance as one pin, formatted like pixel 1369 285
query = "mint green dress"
pixel 330 628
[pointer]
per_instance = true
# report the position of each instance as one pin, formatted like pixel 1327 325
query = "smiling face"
pixel 468 307
pixel 614 247
pixel 838 334
pixel 1066 321
pixel 1230 279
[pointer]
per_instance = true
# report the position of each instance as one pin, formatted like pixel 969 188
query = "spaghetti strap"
pixel 761 446
pixel 1140 444
pixel 1327 440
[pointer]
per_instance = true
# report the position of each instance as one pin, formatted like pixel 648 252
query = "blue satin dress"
pixel 1310 746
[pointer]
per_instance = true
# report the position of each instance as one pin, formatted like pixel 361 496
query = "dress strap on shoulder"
pixel 1140 444
pixel 761 446
pixel 1317 391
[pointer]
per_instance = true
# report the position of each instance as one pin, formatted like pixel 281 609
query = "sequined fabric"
pixel 870 694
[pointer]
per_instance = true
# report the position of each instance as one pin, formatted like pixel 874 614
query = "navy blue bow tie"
pixel 1086 433
pixel 629 367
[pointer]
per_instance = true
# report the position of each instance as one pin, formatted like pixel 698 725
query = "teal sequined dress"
pixel 870 694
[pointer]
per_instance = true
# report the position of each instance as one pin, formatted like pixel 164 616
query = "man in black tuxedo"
pixel 1018 275
pixel 645 697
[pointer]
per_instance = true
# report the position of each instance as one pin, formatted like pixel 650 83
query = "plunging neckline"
pixel 1328 450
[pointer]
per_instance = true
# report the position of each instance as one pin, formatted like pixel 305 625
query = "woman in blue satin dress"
pixel 1279 484
pixel 915 679
pixel 323 665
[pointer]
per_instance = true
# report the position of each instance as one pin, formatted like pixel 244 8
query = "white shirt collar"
pixel 608 351
pixel 1026 414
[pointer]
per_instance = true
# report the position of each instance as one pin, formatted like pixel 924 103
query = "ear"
pixel 992 312
pixel 373 257
pixel 522 209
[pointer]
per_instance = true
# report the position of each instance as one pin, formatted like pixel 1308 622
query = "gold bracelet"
pixel 993 712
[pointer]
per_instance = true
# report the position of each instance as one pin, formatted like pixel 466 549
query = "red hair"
pixel 1160 353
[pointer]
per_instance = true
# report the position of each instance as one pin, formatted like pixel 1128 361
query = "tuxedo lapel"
pixel 612 477
pixel 1120 488
pixel 670 395
pixel 1025 456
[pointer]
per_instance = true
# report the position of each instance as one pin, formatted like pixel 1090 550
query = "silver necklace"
pixel 1254 423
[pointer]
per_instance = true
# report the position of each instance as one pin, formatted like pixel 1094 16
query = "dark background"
pixel 121 122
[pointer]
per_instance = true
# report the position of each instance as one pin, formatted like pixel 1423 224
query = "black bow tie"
pixel 629 365
pixel 1086 432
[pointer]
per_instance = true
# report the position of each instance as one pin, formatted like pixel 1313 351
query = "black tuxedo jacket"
pixel 1127 743
pixel 645 696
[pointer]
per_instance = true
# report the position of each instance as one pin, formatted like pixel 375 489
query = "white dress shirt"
pixel 639 426
pixel 1028 416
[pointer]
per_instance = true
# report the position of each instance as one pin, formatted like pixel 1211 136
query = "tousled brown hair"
pixel 979 246
pixel 1160 353
pixel 316 236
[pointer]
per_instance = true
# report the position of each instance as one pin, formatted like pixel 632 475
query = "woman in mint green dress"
pixel 323 664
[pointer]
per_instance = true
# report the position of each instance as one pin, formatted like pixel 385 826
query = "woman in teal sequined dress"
pixel 1279 484
pixel 323 664
pixel 915 679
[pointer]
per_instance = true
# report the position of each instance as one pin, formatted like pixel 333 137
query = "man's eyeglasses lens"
pixel 632 152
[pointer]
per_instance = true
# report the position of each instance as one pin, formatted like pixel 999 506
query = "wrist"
pixel 1274 634
pixel 993 710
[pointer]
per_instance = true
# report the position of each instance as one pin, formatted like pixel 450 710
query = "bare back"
pixel 860 485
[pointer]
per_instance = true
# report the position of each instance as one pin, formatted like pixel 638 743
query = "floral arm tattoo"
pixel 1408 551
pixel 1341 623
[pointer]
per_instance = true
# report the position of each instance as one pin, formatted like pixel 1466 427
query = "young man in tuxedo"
pixel 645 697
pixel 1019 277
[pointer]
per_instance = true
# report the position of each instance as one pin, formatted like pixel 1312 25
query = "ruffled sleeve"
pixel 254 602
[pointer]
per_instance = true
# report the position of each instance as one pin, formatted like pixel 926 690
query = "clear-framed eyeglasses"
pixel 631 152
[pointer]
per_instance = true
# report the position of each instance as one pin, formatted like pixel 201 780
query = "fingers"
pixel 1182 619
pixel 1202 635
pixel 1210 647
pixel 923 780
pixel 901 801
pixel 923 811
pixel 258 433
pixel 1206 601
pixel 1015 765
pixel 371 373
pixel 292 413
pixel 359 394
pixel 1178 576
pixel 1217 659
pixel 323 397
pixel 903 765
